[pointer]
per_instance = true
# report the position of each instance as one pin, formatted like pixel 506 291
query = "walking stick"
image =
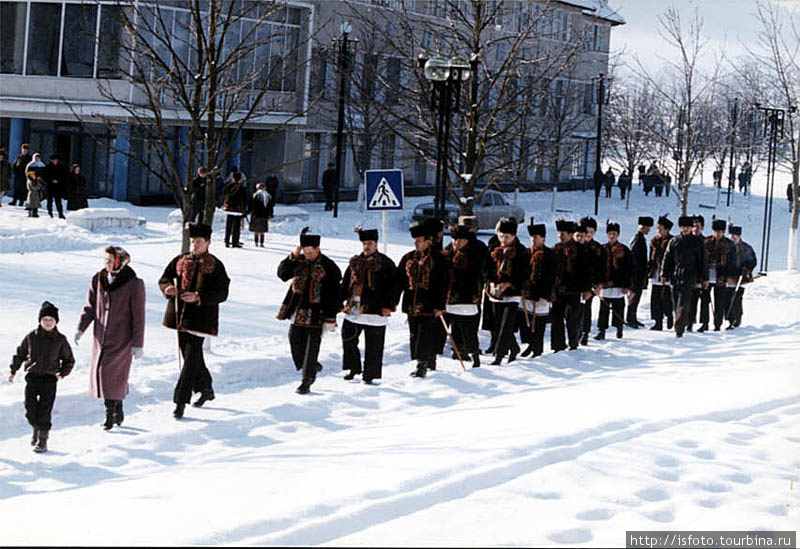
pixel 452 342
pixel 177 331
pixel 611 308
pixel 525 312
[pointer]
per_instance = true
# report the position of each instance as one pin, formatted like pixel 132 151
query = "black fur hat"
pixel 688 221
pixel 507 225
pixel 646 221
pixel 718 225
pixel 563 225
pixel 367 234
pixel 307 239
pixel 587 222
pixel 665 222
pixel 198 230
pixel 735 229
pixel 537 230
pixel 418 229
pixel 611 226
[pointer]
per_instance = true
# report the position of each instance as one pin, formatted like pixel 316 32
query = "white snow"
pixel 569 449
pixel 105 218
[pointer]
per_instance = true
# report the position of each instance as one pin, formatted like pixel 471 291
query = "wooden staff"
pixel 452 342
pixel 177 331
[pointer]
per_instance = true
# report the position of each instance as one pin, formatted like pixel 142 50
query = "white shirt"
pixel 611 293
pixel 364 319
pixel 462 309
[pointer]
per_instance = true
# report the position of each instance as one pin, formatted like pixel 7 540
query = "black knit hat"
pixel 198 230
pixel 688 221
pixel 368 234
pixel 665 222
pixel 507 225
pixel 735 229
pixel 418 229
pixel 646 221
pixel 563 225
pixel 700 219
pixel 307 239
pixel 48 309
pixel 611 226
pixel 537 230
pixel 718 225
pixel 587 222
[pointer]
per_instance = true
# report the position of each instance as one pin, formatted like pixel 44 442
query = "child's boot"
pixel 35 437
pixel 41 444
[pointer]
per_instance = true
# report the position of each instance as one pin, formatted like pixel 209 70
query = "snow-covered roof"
pixel 597 8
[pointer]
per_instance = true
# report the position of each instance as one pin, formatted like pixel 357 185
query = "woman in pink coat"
pixel 116 306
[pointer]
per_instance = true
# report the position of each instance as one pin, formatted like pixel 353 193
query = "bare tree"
pixel 515 50
pixel 633 110
pixel 778 55
pixel 209 66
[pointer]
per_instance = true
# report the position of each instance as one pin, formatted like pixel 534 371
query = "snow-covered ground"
pixel 573 448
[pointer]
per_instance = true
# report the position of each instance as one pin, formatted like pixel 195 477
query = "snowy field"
pixel 569 449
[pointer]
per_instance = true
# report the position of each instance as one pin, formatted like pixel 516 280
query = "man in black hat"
pixel 660 291
pixel 464 263
pixel 310 303
pixel 571 284
pixel 368 296
pixel 719 257
pixel 488 316
pixel 701 293
pixel 420 279
pixel 683 266
pixel 744 262
pixel 638 247
pixel 55 177
pixel 595 263
pixel 507 269
pixel 435 227
pixel 537 292
pixel 194 284
pixel 329 184
pixel 616 284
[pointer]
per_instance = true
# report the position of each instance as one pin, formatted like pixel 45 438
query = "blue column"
pixel 122 148
pixel 236 152
pixel 19 133
pixel 181 152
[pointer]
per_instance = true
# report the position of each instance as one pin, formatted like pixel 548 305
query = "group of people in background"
pixel 744 177
pixel 34 182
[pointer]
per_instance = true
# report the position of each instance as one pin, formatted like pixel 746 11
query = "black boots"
pixel 351 374
pixel 619 332
pixel 476 360
pixel 178 412
pixel 703 327
pixel 421 370
pixel 528 350
pixel 585 339
pixel 205 396
pixel 41 443
pixel 601 335
pixel 304 388
pixel 35 437
pixel 114 414
pixel 657 327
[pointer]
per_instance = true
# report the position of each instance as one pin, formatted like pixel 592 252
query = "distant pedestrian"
pixel 115 306
pixel 46 356
pixel 717 176
pixel 624 183
pixel 234 204
pixel 76 189
pixel 260 213
pixel 20 177
pixel 790 196
pixel 55 178
pixel 197 195
pixel 609 181
pixel 744 177
pixel 272 184
pixel 5 175
pixel 35 187
pixel 329 185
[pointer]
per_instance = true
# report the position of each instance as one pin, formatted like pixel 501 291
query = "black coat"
pixel 20 180
pixel 542 275
pixel 425 293
pixel 234 197
pixel 684 260
pixel 618 267
pixel 315 299
pixel 55 175
pixel 76 192
pixel 595 261
pixel 570 268
pixel 44 353
pixel 658 247
pixel 465 274
pixel 744 261
pixel 205 275
pixel 260 210
pixel 517 273
pixel 198 194
pixel 638 247
pixel 377 291
pixel 329 179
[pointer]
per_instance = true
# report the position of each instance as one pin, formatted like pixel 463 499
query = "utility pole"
pixel 344 59
pixel 598 172
pixel 732 170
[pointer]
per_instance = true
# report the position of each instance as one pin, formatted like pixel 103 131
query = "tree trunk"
pixel 791 262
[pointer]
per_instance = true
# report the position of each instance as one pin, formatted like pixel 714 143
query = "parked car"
pixel 488 208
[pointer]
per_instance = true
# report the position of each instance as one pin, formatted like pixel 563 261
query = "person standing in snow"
pixel 465 263
pixel 5 175
pixel 595 263
pixel 194 285
pixel 638 247
pixel 683 266
pixel 420 279
pixel 368 297
pixel 46 356
pixel 55 178
pixel 744 263
pixel 571 285
pixel 617 279
pixel 234 203
pixel 76 189
pixel 700 293
pixel 537 292
pixel 35 190
pixel 20 175
pixel 660 291
pixel 310 303
pixel 261 205
pixel 719 258
pixel 116 306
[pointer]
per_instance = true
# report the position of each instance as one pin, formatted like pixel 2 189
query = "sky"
pixel 728 25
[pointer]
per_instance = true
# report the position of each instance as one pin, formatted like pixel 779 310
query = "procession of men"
pixel 516 288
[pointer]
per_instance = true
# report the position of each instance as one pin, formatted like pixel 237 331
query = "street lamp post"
pixel 445 76
pixel 343 66
pixel 598 172
pixel 732 169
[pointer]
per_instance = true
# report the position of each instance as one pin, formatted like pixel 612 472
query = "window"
pixel 13 17
pixel 109 42
pixel 588 98
pixel 387 151
pixel 369 74
pixel 393 78
pixel 319 69
pixel 77 55
pixel 43 39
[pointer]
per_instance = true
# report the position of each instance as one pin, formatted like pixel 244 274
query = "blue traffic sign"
pixel 385 190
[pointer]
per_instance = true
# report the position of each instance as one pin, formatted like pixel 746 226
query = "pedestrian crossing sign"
pixel 384 189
